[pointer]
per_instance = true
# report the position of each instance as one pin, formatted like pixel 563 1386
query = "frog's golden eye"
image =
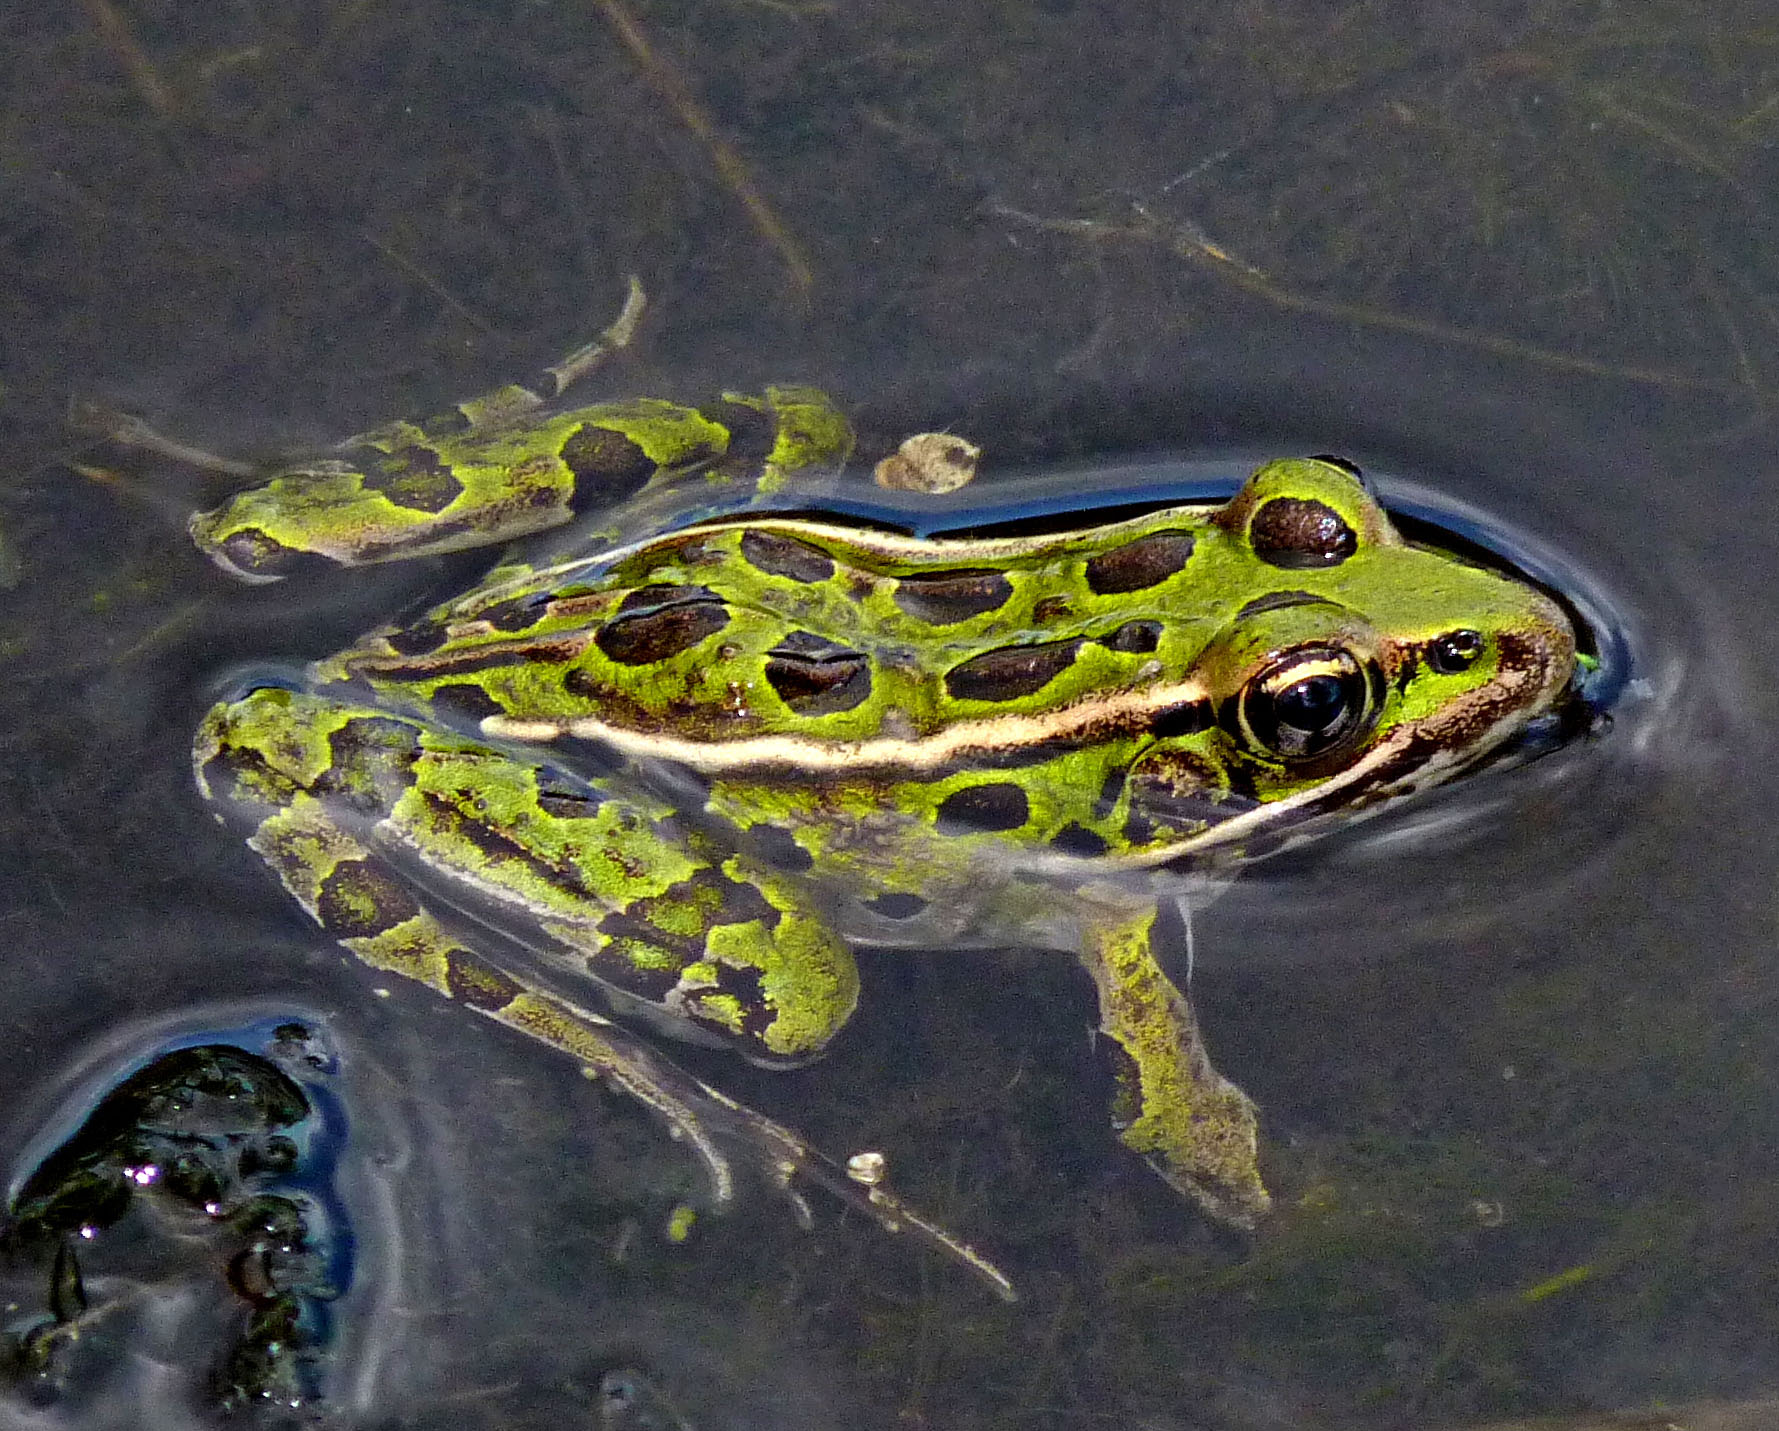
pixel 1306 703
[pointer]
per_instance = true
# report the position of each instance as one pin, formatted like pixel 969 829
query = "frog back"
pixel 1184 683
pixel 752 630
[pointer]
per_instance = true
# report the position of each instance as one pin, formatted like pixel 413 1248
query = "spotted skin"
pixel 601 886
pixel 690 769
pixel 416 489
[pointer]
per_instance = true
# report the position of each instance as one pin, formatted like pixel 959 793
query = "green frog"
pixel 659 773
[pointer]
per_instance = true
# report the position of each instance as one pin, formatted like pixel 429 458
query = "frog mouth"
pixel 1583 710
pixel 1399 765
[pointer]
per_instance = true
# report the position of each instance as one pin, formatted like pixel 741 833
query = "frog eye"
pixel 1306 703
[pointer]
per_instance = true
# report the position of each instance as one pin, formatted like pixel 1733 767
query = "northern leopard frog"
pixel 671 767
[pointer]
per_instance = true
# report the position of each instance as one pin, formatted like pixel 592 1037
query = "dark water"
pixel 1515 1052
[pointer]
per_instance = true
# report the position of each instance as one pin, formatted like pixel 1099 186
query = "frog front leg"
pixel 403 841
pixel 1189 1123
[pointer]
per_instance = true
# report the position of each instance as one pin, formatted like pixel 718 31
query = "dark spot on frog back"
pixel 1300 533
pixel 896 904
pixel 789 557
pixel 1009 672
pixel 653 939
pixel 1134 638
pixel 1139 564
pixel 243 778
pixel 371 762
pixel 943 598
pixel 814 676
pixel 726 900
pixel 465 702
pixel 562 797
pixel 360 898
pixel 1076 839
pixel 655 623
pixel 658 595
pixel 413 477
pixel 453 422
pixel 1279 601
pixel 460 820
pixel 752 434
pixel 1111 791
pixel 996 806
pixel 776 847
pixel 517 613
pixel 479 985
pixel 737 987
pixel 1127 1101
pixel 607 466
pixel 420 639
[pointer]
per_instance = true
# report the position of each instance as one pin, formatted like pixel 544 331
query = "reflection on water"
pixel 1514 1053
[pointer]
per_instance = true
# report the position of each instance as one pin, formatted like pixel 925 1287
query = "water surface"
pixel 1515 1052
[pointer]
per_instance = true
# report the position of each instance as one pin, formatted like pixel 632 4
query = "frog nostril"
pixel 1455 651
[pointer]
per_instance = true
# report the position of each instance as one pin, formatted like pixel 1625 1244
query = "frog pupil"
pixel 1312 704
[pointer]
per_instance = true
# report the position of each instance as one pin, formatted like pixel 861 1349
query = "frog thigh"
pixel 596 876
pixel 1191 1124
pixel 361 898
pixel 318 783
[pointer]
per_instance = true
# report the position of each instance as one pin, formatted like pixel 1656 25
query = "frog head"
pixel 1360 667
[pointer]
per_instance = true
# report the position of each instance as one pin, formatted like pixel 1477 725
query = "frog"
pixel 658 772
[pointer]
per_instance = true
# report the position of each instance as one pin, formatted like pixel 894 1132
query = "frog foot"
pixel 1194 1127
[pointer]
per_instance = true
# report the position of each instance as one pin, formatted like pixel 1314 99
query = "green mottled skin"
pixel 409 490
pixel 690 768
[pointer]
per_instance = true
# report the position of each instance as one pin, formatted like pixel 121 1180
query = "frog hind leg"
pixel 502 465
pixel 1194 1127
pixel 513 400
pixel 311 775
